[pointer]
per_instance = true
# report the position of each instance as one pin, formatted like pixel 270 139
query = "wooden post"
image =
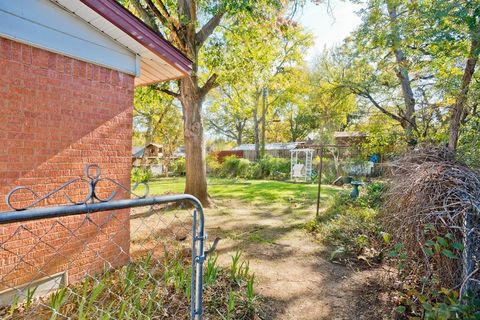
pixel 320 169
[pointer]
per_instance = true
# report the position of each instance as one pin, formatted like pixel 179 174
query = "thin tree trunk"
pixel 239 137
pixel 256 129
pixel 263 118
pixel 458 110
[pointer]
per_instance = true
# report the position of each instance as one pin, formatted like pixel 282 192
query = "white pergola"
pixel 298 170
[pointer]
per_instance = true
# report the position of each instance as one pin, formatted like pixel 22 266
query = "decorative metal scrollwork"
pixel 91 178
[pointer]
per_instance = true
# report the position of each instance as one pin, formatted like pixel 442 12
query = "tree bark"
pixel 458 110
pixel 256 127
pixel 196 170
pixel 263 120
pixel 403 76
pixel 240 134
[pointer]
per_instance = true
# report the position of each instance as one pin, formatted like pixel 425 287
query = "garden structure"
pixel 301 164
pixel 68 71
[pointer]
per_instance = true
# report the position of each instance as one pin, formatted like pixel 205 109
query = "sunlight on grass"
pixel 251 191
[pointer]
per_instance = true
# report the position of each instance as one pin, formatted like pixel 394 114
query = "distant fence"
pixel 227 153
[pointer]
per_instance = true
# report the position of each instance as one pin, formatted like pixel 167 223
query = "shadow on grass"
pixel 250 191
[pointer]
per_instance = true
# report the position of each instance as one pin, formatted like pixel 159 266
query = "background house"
pixel 68 71
pixel 278 150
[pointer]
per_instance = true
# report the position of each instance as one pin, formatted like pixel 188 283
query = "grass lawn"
pixel 251 191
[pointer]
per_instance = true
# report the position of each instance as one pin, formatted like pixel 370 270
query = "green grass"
pixel 251 191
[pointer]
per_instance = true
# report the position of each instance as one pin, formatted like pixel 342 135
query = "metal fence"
pixel 471 254
pixel 101 258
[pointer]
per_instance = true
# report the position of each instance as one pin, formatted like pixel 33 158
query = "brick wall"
pixel 57 115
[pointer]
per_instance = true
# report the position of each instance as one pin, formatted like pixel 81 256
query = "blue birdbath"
pixel 355 192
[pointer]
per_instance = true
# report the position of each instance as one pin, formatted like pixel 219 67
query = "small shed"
pixel 152 153
pixel 349 138
pixel 68 72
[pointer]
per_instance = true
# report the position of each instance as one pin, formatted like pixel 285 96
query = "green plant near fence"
pixel 266 168
pixel 141 174
pixel 146 289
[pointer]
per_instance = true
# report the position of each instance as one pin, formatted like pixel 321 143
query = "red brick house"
pixel 68 69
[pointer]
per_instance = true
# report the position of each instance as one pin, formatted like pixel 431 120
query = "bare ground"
pixel 292 269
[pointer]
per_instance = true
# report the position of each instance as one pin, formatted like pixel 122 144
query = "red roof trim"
pixel 135 28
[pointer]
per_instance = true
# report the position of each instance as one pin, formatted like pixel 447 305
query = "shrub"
pixel 274 168
pixel 267 168
pixel 179 166
pixel 349 225
pixel 233 167
pixel 213 165
pixel 374 195
pixel 141 174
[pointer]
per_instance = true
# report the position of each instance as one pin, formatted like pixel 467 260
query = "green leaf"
pixel 458 246
pixel 386 237
pixel 427 306
pixel 400 309
pixel 442 241
pixel 393 253
pixel 449 254
pixel 428 251
pixel 430 243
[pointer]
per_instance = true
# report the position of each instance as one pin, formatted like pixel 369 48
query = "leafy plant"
pixel 211 270
pixel 231 304
pixel 233 167
pixel 56 301
pixel 350 226
pixel 141 174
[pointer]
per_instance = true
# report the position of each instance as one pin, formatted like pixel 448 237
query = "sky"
pixel 329 29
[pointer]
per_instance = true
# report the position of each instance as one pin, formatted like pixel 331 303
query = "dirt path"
pixel 291 268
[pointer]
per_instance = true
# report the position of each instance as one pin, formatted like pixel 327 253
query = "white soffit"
pixel 152 67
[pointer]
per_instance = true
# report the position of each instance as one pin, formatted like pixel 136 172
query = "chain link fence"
pixel 471 254
pixel 101 258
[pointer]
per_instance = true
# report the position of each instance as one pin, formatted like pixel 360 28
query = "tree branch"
pixel 209 27
pixel 379 107
pixel 169 92
pixel 209 84
pixel 144 14
pixel 222 130
pixel 157 13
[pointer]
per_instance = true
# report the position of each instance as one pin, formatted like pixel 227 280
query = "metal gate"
pixel 97 259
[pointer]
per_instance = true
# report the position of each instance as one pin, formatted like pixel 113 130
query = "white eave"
pixel 150 66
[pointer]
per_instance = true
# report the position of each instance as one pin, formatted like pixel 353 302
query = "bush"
pixel 349 225
pixel 274 168
pixel 179 166
pixel 141 174
pixel 267 168
pixel 233 167
pixel 374 196
pixel 213 165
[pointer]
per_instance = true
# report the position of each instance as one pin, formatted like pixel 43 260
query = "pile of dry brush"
pixel 433 210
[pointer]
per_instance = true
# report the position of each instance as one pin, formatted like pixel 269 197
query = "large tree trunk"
pixel 459 107
pixel 409 124
pixel 239 136
pixel 196 170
